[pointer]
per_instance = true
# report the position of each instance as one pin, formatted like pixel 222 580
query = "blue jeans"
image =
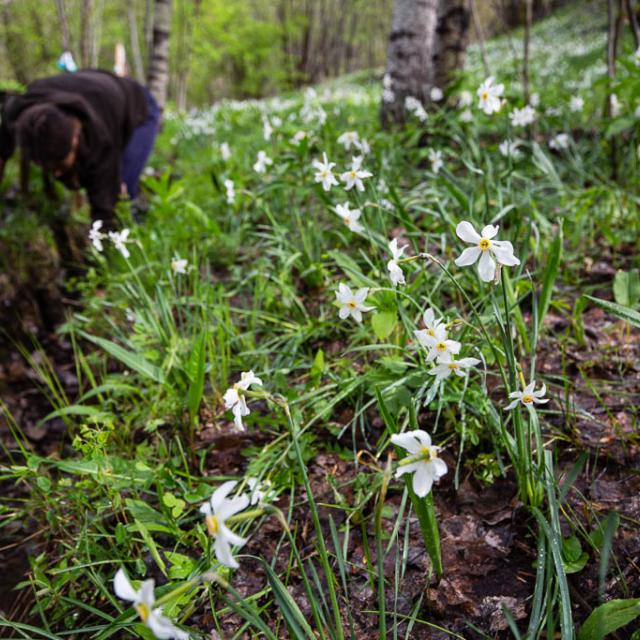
pixel 140 145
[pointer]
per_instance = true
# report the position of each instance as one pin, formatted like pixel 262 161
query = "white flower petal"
pixel 468 256
pixel 466 232
pixel 407 441
pixel 123 588
pixel 423 480
pixel 486 267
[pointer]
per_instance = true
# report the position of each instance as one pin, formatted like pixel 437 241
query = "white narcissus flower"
pixel 534 99
pixel 423 460
pixel 445 368
pixel 509 149
pixel 465 100
pixel 355 175
pixel 234 397
pixel 179 265
pixel 216 511
pixel 363 146
pixel 395 272
pixel 230 191
pixel 522 117
pixel 488 250
pixel 528 397
pixel 324 172
pixel 466 116
pixel 143 601
pixel 436 94
pixel 259 491
pixel 298 137
pixel 96 236
pixel 413 105
pixel 352 304
pixel 350 217
pixel 262 161
pixel 437 343
pixel 349 139
pixel 489 96
pixel 435 158
pixel 431 324
pixel 225 150
pixel 267 130
pixel 561 141
pixel 576 103
pixel 119 239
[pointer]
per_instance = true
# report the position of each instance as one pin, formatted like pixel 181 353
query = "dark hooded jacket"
pixel 109 109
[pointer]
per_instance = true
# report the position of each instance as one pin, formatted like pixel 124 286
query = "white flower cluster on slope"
pixel 119 238
pixel 441 349
pixel 234 397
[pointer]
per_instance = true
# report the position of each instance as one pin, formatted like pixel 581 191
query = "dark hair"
pixel 46 132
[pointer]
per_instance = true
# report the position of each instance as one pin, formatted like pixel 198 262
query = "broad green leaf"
pixel 624 313
pixel 134 361
pixel 626 288
pixel 383 323
pixel 196 370
pixel 609 617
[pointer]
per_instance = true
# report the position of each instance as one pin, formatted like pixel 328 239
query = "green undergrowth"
pixel 155 350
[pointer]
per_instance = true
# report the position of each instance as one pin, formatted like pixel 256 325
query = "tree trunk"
pixel 409 58
pixel 452 38
pixel 528 19
pixel 98 16
pixel 427 46
pixel 86 33
pixel 136 54
pixel 158 77
pixel 64 25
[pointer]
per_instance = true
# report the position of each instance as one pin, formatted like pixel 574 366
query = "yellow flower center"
pixel 441 347
pixel 352 305
pixel 431 332
pixel 213 525
pixel 143 611
pixel 527 399
pixel 454 365
pixel 484 95
pixel 353 174
pixel 426 453
pixel 484 243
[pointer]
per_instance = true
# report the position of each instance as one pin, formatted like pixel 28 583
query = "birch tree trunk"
pixel 409 58
pixel 136 54
pixel 158 78
pixel 86 33
pixel 427 46
pixel 452 38
pixel 64 25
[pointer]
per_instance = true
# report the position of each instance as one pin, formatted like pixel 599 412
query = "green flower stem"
pixel 246 515
pixel 496 355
